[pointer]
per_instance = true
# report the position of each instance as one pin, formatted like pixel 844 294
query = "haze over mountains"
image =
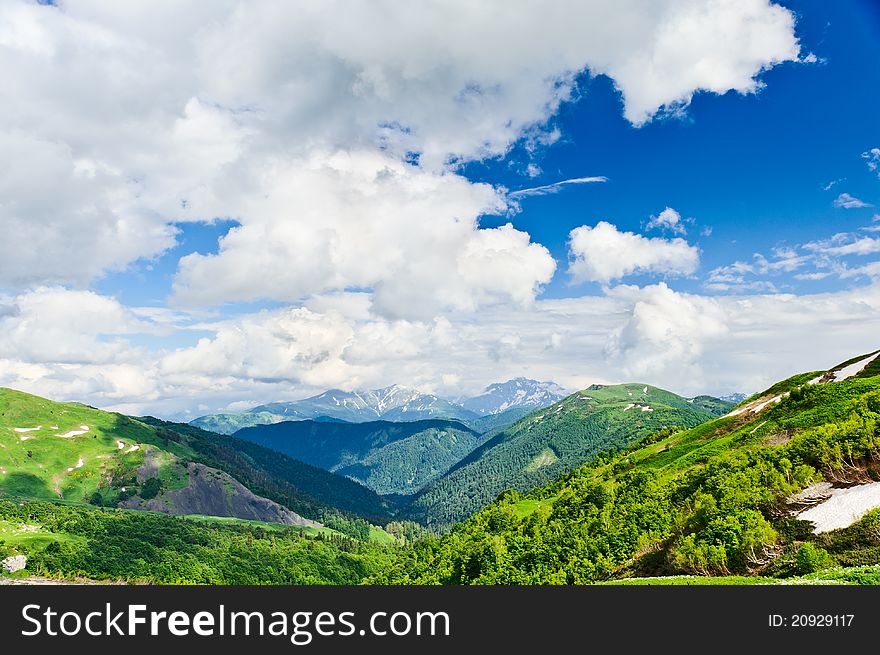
pixel 395 403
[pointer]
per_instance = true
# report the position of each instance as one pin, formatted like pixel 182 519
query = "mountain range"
pixel 608 483
pixel 395 403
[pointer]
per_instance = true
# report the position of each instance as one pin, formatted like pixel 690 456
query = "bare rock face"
pixel 14 563
pixel 214 493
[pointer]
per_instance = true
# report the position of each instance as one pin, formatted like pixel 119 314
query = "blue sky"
pixel 210 218
pixel 753 168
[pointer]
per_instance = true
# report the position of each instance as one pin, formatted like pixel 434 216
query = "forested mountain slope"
pixel 550 441
pixel 309 490
pixel 725 497
pixel 390 458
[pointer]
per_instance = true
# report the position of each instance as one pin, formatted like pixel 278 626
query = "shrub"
pixel 810 558
pixel 150 488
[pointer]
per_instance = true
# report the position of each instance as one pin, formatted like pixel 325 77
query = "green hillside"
pixel 306 489
pixel 389 458
pixel 714 500
pixel 69 451
pixel 78 454
pixel 550 441
pixel 62 541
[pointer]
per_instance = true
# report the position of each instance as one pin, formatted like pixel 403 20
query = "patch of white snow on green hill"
pixel 843 508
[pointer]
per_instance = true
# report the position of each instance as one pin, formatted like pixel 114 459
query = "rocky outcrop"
pixel 14 563
pixel 214 493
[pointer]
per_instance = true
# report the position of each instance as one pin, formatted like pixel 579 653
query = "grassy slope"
pixel 550 441
pixel 39 466
pixel 43 465
pixel 708 500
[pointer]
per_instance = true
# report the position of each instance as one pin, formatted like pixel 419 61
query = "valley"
pixel 624 483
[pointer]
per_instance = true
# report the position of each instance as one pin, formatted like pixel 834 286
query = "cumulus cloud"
pixel 668 219
pixel 357 220
pixel 68 327
pixel 665 333
pixel 332 133
pixel 131 116
pixel 688 343
pixel 603 253
pixel 846 201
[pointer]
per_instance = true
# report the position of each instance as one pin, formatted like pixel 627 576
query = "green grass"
pixel 690 580
pixel 528 506
pixel 31 537
pixel 855 575
pixel 377 534
pixel 276 527
pixel 42 464
pixel 381 537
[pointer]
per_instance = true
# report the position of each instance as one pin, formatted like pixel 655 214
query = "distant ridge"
pixel 396 403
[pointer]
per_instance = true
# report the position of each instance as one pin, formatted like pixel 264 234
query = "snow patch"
pixel 39 427
pixel 131 449
pixel 757 405
pixel 843 508
pixel 74 433
pixel 120 444
pixel 853 369
pixel 24 437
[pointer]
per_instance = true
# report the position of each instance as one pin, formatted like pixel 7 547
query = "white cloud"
pixel 687 343
pixel 556 187
pixel 830 185
pixel 358 220
pixel 68 327
pixel 870 270
pixel 846 201
pixel 603 253
pixel 665 334
pixel 128 116
pixel 811 261
pixel 668 219
pixel 862 246
pixel 872 159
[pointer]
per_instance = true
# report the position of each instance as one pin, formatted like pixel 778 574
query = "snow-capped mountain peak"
pixel 518 392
